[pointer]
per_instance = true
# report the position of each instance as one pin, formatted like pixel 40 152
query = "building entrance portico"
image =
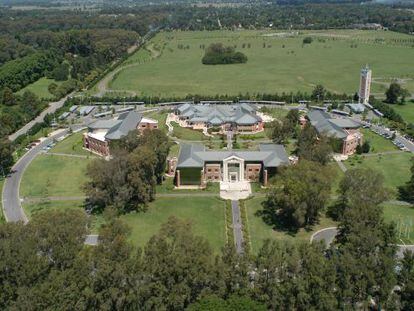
pixel 233 169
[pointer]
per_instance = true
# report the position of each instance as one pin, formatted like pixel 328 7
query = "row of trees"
pixel 217 54
pixel 44 264
pixel 127 181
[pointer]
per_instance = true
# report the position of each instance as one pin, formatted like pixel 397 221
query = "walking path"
pixel 229 140
pixel 237 226
pixel 71 155
pixel 341 166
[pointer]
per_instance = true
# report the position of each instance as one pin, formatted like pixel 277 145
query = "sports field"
pixel 277 62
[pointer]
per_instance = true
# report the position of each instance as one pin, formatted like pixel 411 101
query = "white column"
pixel 225 171
pixel 241 168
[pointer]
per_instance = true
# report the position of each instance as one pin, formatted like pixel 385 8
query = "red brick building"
pixel 102 132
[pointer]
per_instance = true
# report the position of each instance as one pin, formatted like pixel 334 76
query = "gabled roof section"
pixel 188 157
pixel 128 122
pixel 103 124
pixel 195 155
pixel 321 121
pixel 243 114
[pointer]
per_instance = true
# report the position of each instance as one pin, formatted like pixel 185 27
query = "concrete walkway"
pixel 341 166
pixel 71 155
pixel 237 226
pixel 229 140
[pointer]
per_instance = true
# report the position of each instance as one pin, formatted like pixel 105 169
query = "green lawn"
pixel 377 142
pixel 403 217
pixel 394 167
pixel 71 145
pixel 260 231
pixel 205 213
pixel 40 88
pixel 50 175
pixel 160 117
pixel 275 63
pixel 406 111
pixel 187 133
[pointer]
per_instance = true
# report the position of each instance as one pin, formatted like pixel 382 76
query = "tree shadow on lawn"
pixel 278 223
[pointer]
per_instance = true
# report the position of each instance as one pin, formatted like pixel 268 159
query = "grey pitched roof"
pixel 195 155
pixel 128 121
pixel 243 114
pixel 321 121
pixel 103 124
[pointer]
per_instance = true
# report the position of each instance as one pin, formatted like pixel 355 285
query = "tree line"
pixel 45 265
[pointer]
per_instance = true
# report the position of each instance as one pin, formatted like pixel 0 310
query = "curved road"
pixel 328 235
pixel 39 119
pixel 12 208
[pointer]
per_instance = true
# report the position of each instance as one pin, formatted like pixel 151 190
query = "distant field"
pixel 277 62
pixel 40 88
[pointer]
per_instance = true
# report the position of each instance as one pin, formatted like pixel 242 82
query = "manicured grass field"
pixel 377 142
pixel 205 213
pixel 50 175
pixel 406 111
pixel 394 167
pixel 71 145
pixel 40 88
pixel 187 133
pixel 277 62
pixel 403 217
pixel 260 231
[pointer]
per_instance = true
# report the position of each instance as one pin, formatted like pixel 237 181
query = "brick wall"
pixel 212 172
pixel 252 172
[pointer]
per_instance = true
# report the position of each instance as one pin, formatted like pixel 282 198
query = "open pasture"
pixel 277 62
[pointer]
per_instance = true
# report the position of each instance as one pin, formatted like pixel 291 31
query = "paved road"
pixel 328 235
pixel 11 201
pixel 39 119
pixel 12 209
pixel 237 226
